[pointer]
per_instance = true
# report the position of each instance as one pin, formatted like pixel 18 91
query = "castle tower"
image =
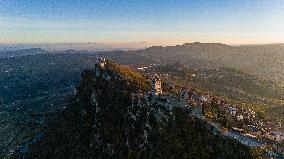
pixel 156 85
pixel 102 62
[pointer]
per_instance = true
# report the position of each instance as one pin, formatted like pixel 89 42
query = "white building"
pixel 102 62
pixel 157 85
pixel 240 117
pixel 203 98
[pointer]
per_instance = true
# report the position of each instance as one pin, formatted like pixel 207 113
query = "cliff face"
pixel 112 117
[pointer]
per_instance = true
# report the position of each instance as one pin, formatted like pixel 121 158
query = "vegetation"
pixel 34 86
pixel 104 121
pixel 31 89
pixel 139 80
pixel 232 85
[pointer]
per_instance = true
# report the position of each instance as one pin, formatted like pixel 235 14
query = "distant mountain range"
pixel 265 61
pixel 22 52
pixel 92 46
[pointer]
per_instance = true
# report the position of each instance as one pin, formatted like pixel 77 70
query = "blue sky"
pixel 153 21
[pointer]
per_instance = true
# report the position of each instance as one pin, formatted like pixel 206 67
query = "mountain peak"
pixel 110 119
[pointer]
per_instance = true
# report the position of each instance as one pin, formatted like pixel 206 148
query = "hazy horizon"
pixel 95 46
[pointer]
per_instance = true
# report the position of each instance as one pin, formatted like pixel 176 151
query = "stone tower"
pixel 102 62
pixel 156 85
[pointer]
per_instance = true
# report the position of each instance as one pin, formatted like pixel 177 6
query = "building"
pixel 156 85
pixel 203 98
pixel 240 117
pixel 231 110
pixel 102 62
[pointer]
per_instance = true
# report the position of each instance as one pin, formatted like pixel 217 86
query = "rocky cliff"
pixel 113 116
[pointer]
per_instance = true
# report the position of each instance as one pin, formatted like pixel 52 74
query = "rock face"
pixel 111 116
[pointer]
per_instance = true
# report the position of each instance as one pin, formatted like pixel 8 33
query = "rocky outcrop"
pixel 113 116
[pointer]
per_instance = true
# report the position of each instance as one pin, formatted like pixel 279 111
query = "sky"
pixel 165 22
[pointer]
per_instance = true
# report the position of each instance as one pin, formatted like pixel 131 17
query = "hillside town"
pixel 230 120
pixel 241 124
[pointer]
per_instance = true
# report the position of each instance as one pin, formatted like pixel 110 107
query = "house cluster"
pixel 252 127
pixel 253 131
